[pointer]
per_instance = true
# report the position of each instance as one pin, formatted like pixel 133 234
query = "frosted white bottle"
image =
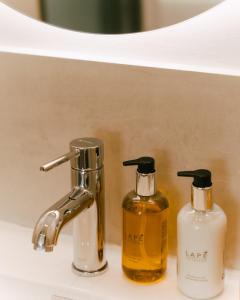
pixel 201 229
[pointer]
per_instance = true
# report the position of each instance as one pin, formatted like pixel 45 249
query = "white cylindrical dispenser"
pixel 201 227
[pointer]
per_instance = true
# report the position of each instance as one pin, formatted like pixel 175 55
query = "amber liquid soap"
pixel 145 214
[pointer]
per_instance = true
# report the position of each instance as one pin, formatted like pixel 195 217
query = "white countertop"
pixel 26 274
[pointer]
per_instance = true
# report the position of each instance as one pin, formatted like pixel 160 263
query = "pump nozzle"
pixel 202 177
pixel 145 164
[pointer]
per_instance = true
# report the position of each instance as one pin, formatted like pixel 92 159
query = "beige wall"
pixel 28 7
pixel 185 120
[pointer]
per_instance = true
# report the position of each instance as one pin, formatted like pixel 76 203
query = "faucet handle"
pixel 86 154
pixel 60 160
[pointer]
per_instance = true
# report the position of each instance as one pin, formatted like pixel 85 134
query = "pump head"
pixel 145 177
pixel 202 177
pixel 145 164
pixel 201 198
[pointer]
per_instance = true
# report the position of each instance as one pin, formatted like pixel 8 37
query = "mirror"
pixel 112 16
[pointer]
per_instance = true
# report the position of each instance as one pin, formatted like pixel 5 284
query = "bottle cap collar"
pixel 145 184
pixel 201 198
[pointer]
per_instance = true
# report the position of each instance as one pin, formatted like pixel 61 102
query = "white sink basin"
pixel 17 289
pixel 29 275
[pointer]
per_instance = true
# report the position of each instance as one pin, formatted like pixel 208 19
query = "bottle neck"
pixel 145 184
pixel 201 198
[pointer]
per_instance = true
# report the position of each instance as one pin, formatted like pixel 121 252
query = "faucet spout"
pixel 49 225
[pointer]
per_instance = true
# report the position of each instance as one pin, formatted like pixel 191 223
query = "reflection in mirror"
pixel 112 16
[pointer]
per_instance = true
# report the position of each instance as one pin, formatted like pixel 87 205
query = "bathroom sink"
pixel 29 275
pixel 17 289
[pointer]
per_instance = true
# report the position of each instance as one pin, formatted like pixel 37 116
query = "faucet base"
pixel 84 273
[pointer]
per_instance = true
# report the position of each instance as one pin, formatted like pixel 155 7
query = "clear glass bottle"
pixel 145 214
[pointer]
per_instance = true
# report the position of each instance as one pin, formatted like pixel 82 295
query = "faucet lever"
pixel 60 160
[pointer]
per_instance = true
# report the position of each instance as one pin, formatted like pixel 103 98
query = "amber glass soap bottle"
pixel 145 213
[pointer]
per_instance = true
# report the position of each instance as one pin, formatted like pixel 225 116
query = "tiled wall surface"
pixel 185 120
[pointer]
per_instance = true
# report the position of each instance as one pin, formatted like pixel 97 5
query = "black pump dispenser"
pixel 145 164
pixel 201 196
pixel 145 176
pixel 202 177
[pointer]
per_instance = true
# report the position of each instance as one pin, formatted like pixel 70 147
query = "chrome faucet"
pixel 87 198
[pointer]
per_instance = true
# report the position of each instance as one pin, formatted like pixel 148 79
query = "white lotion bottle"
pixel 201 229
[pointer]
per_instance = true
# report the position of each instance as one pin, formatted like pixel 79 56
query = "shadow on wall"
pixel 167 187
pixel 221 195
pixel 113 182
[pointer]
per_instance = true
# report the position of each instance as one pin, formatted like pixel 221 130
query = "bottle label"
pixel 197 256
pixel 202 266
pixel 135 238
pixel 145 240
